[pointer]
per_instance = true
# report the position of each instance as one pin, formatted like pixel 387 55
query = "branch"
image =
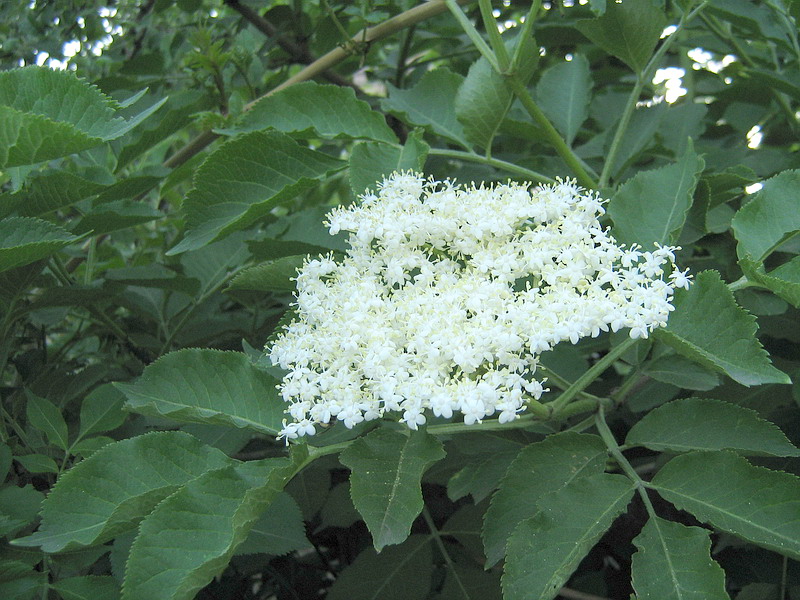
pixel 334 57
pixel 296 51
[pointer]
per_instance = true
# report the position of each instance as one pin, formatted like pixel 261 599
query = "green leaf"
pixel 5 461
pixel 430 103
pixel 682 372
pixel 708 424
pixel 242 180
pixel 313 109
pixel 723 489
pixel 652 206
pixel 88 587
pixel 48 192
pixel 101 411
pixel 207 386
pixel 371 162
pixel 628 30
pixel 19 507
pixel 386 469
pixel 190 536
pixel 539 469
pixel 50 113
pixel 470 583
pixel 24 240
pixel 113 216
pixel 674 563
pixel 761 225
pixel 708 327
pixel 563 94
pixel 269 276
pixel 279 530
pixel 484 97
pixel 545 549
pixel 37 463
pixel 784 281
pixel 398 573
pixel 46 417
pixel 480 476
pixel 161 463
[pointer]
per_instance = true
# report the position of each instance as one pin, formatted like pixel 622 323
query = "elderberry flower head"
pixel 448 295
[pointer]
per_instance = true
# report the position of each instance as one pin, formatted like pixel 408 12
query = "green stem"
pixel 562 383
pixel 590 375
pixel 627 468
pixel 472 33
pixel 490 24
pixel 525 34
pixel 494 425
pixel 641 78
pixel 437 538
pixel 742 283
pixel 581 406
pixel 555 139
pixel 492 162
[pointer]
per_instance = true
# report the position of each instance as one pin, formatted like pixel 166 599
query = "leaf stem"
pixel 555 139
pixel 490 25
pixel 590 375
pixel 472 33
pixel 492 162
pixel 437 538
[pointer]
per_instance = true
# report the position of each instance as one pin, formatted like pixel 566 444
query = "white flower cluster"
pixel 447 296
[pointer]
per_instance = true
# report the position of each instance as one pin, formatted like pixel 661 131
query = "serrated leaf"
pixel 48 192
pixel 539 469
pixel 47 114
pixel 113 216
pixel 628 30
pixel 46 417
pixel 398 573
pixel 328 111
pixel 708 424
pixel 783 281
pixel 430 103
pixel 279 529
pixel 386 468
pixel 271 249
pixel 652 206
pixel 161 463
pixel 674 563
pixel 207 386
pixel 18 507
pixel 708 327
pixel 682 372
pixel 101 411
pixel 269 276
pixel 190 536
pixel 563 94
pixel 722 488
pixel 480 476
pixel 484 97
pixel 371 162
pixel 87 587
pixel 761 224
pixel 242 180
pixel 25 240
pixel 545 549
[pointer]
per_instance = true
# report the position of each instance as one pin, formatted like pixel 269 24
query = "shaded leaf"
pixel 87 587
pixel 242 180
pixel 101 411
pixel 46 417
pixel 161 463
pixel 783 281
pixel 207 386
pixel 480 476
pixel 722 488
pixel 113 216
pixel 386 468
pixel 269 276
pixel 545 549
pixel 37 463
pixel 398 573
pixel 674 563
pixel 19 507
pixel 539 469
pixel 328 111
pixel 708 424
pixel 682 372
pixel 708 327
pixel 279 529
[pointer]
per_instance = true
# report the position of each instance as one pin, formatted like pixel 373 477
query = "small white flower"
pixel 448 295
